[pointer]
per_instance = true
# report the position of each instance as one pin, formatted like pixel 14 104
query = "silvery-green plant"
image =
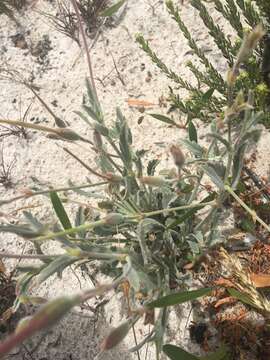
pixel 149 225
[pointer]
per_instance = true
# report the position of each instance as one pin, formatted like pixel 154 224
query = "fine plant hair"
pixel 19 131
pixel 148 225
pixel 6 171
pixel 90 12
pixel 203 103
pixel 65 20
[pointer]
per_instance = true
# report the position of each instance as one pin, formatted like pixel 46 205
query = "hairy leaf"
pixel 60 211
pixel 163 118
pixel 179 298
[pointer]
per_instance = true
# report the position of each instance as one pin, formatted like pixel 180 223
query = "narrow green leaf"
pixel 112 9
pixel 103 130
pixel 83 117
pixel 238 162
pixel 151 167
pixel 23 231
pixel 192 132
pixel 124 144
pixel 192 146
pixel 56 266
pixel 34 223
pixel 60 211
pixel 176 353
pixel 240 296
pixel 213 176
pixel 179 298
pixel 90 112
pixel 163 118
pixel 221 139
pixel 208 94
pixel 80 220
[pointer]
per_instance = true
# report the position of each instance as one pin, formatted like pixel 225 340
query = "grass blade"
pixel 60 211
pixel 112 9
pixel 176 353
pixel 179 298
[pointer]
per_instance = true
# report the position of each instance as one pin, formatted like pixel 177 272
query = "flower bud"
pixel 97 139
pixel 249 43
pixel 23 323
pixel 116 336
pixel 114 219
pixel 113 178
pixel 152 180
pixel 74 251
pixel 178 156
pixel 68 134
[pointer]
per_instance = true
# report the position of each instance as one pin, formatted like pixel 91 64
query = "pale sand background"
pixel 75 337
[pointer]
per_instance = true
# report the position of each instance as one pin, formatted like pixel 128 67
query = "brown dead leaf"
pixel 260 280
pixel 140 103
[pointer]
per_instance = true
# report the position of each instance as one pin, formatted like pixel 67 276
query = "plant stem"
pixel 84 164
pixel 253 214
pixel 70 231
pixel 85 46
pixel 4 255
pixel 184 207
pixel 42 192
pixel 30 126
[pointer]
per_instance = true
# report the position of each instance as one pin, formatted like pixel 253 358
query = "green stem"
pixel 30 126
pixel 102 222
pixel 230 154
pixel 81 27
pixel 70 231
pixel 253 214
pixel 4 255
pixel 42 192
pixel 184 207
pixel 84 164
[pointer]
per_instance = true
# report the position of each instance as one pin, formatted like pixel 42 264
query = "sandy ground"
pixel 61 78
